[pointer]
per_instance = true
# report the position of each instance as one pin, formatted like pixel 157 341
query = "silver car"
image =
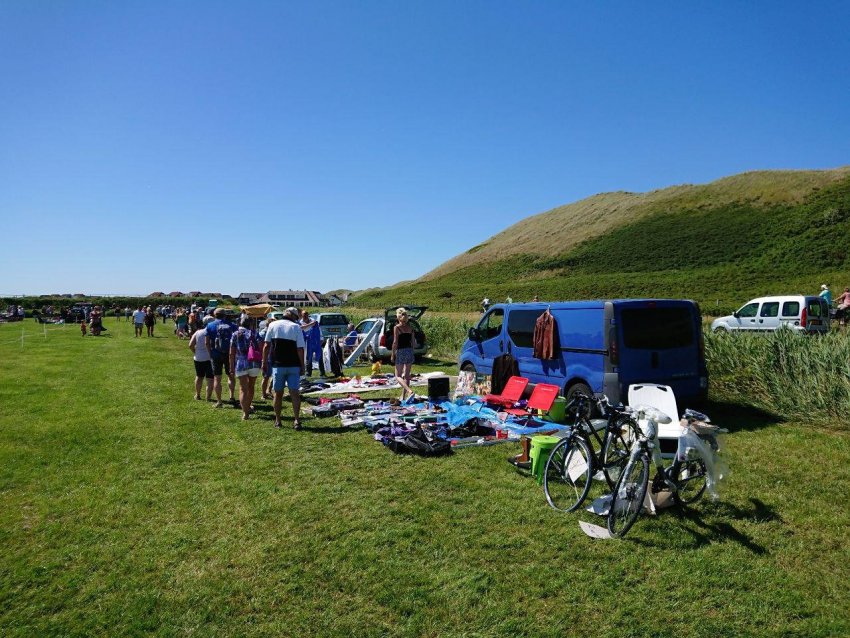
pixel 382 342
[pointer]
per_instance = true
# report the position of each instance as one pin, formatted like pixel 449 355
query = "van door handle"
pixel 761 320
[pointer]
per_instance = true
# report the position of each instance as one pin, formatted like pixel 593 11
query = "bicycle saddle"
pixel 653 414
pixel 693 415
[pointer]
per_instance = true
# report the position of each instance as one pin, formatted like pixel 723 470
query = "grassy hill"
pixel 719 243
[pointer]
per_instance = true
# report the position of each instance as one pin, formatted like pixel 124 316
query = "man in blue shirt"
pixel 826 295
pixel 219 333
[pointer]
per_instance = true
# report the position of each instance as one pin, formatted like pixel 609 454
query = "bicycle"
pixel 687 478
pixel 573 464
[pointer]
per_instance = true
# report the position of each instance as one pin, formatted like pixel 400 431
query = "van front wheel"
pixel 574 389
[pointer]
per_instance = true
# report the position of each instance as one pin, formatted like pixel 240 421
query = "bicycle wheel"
pixel 615 452
pixel 568 474
pixel 629 493
pixel 690 481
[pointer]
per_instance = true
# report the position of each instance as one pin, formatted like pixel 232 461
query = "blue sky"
pixel 230 147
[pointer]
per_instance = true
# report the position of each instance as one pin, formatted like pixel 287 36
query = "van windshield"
pixel 657 328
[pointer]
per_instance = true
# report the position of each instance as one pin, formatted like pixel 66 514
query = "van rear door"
pixel 659 341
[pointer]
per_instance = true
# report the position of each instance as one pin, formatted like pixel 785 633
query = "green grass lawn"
pixel 127 508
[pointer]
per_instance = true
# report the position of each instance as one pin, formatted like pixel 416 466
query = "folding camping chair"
pixel 542 398
pixel 511 393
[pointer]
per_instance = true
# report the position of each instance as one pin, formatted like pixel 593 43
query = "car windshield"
pixel 333 320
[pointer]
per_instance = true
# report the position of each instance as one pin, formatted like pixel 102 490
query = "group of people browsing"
pixel 275 350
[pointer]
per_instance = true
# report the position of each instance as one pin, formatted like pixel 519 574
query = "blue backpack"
pixel 223 333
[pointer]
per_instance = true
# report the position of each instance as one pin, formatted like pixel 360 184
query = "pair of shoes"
pixel 197 397
pixel 296 424
pixel 278 424
pixel 244 417
pixel 218 404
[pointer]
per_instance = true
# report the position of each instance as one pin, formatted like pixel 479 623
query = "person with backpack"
pixel 219 333
pixel 246 358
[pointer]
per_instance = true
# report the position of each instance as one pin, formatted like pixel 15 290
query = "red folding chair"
pixel 542 398
pixel 511 393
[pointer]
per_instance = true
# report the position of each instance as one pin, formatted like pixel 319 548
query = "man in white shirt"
pixel 138 321
pixel 284 351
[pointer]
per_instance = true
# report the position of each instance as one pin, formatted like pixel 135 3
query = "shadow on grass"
pixel 737 417
pixel 704 532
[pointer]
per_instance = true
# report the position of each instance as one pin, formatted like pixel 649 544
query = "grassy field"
pixel 127 508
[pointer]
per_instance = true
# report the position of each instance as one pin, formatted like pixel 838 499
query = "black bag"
pixel 417 442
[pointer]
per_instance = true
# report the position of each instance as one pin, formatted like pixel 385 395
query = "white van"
pixel 800 313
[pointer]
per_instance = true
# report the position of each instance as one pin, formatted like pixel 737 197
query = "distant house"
pixel 248 298
pixel 334 300
pixel 195 293
pixel 176 293
pixel 157 294
pixel 297 298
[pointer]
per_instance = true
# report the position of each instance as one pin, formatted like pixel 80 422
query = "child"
pixel 83 327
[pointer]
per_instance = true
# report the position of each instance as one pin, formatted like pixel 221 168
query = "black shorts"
pixel 218 363
pixel 204 369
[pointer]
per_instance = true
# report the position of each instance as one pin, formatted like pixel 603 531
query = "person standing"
pixel 284 347
pixel 203 363
pixel 138 321
pixel 96 319
pixel 182 322
pixel 219 333
pixel 404 341
pixel 826 295
pixel 246 358
pixel 150 320
pixel 843 302
pixel 313 343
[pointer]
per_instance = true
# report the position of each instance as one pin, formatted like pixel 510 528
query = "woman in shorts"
pixel 203 362
pixel 246 358
pixel 404 342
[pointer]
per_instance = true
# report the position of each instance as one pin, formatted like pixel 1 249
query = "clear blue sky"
pixel 242 146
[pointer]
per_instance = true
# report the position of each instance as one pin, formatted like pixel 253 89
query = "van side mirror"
pixel 474 334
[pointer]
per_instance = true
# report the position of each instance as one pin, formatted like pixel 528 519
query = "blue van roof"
pixel 584 304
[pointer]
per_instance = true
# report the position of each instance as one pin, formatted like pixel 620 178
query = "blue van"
pixel 604 345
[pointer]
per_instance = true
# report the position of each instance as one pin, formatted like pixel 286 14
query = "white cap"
pixel 823 287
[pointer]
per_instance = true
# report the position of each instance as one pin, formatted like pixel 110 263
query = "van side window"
pixel 521 327
pixel 791 309
pixel 749 310
pixel 769 309
pixel 491 325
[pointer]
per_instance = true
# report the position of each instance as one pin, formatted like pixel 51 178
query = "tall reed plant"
pixel 795 376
